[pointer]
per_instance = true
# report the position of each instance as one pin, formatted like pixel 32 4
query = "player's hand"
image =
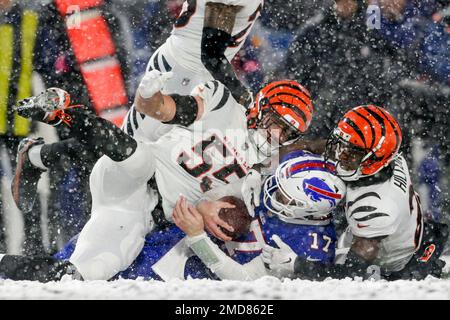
pixel 279 260
pixel 251 191
pixel 153 82
pixel 187 218
pixel 210 212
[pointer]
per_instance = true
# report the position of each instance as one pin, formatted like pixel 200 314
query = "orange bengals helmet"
pixel 288 100
pixel 373 130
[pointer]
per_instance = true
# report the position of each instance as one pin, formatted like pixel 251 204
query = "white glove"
pixel 279 260
pixel 251 190
pixel 153 82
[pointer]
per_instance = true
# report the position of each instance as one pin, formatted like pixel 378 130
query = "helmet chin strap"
pixel 358 173
pixel 355 175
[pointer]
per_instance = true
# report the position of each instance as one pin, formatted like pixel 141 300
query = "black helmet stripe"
pixel 292 86
pixel 291 95
pixel 378 118
pixel 297 111
pixel 357 130
pixel 372 129
pixel 397 135
pixel 383 128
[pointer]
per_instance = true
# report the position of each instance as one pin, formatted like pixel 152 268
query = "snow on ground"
pixel 265 288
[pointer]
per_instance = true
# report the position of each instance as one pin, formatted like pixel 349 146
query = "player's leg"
pixel 120 218
pixel 33 158
pixel 121 203
pixel 33 268
pixel 109 243
pixel 96 134
pixel 163 257
pixel 91 134
pixel 166 256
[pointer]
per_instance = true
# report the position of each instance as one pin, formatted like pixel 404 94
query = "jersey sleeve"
pixel 221 264
pixel 215 96
pixel 229 189
pixel 375 218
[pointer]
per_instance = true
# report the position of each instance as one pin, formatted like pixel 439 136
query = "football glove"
pixel 279 260
pixel 153 82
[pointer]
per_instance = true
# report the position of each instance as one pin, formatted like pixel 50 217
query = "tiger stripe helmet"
pixel 288 99
pixel 374 130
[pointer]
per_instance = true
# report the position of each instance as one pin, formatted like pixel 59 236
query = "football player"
pixel 386 232
pixel 205 37
pixel 298 200
pixel 297 204
pixel 210 146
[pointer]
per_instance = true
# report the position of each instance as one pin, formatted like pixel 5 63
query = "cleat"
pixel 26 178
pixel 48 107
pixel 27 108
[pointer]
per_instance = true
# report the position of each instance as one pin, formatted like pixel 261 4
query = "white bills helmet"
pixel 303 186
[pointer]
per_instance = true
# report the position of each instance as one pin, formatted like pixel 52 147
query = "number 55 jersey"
pixel 213 151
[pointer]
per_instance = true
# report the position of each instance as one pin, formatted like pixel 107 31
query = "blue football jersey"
pixel 316 243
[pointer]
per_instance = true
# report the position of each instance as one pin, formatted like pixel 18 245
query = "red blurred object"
pixel 105 86
pixel 91 39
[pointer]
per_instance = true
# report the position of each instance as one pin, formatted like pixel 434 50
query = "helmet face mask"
pixel 272 132
pixel 282 204
pixel 348 158
pixel 282 112
pixel 301 188
pixel 278 128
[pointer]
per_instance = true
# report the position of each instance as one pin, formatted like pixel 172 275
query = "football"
pixel 237 217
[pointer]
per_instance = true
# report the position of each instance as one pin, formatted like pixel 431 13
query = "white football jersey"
pixel 391 209
pixel 185 40
pixel 211 152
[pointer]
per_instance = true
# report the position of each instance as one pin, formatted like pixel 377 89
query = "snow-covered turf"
pixel 265 288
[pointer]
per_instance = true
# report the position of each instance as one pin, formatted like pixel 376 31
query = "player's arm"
pixel 169 109
pixel 361 256
pixel 221 264
pixel 188 219
pixel 209 211
pixel 216 35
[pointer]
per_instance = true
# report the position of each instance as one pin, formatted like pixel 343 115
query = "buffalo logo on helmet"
pixel 318 190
